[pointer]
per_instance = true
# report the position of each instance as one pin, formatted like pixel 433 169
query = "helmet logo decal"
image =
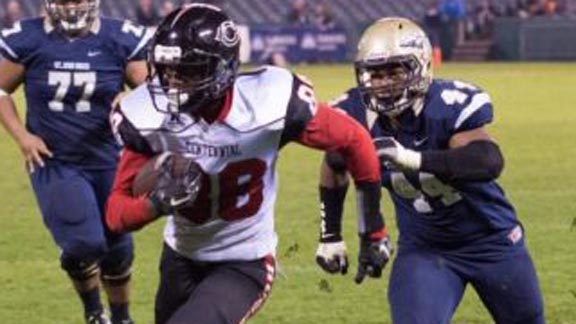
pixel 167 54
pixel 417 42
pixel 227 34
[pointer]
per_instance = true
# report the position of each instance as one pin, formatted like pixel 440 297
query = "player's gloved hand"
pixel 33 148
pixel 177 186
pixel 390 151
pixel 375 252
pixel 332 257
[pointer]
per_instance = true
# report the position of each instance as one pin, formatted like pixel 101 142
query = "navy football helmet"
pixel 72 16
pixel 193 59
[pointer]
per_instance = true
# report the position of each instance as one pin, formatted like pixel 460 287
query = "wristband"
pixel 409 158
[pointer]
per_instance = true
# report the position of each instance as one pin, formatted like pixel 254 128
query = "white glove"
pixel 332 257
pixel 389 150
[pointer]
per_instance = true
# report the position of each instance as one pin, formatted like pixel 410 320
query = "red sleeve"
pixel 125 212
pixel 332 130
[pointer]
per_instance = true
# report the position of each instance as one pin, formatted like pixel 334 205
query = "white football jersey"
pixel 232 218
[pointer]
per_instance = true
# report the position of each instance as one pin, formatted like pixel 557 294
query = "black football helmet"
pixel 193 59
pixel 73 17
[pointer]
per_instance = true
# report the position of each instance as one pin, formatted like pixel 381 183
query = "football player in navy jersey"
pixel 73 63
pixel 214 137
pixel 439 164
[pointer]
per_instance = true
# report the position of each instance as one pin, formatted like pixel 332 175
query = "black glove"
pixel 375 252
pixel 177 186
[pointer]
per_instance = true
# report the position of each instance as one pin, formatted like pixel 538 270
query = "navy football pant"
pixel 426 286
pixel 72 202
pixel 192 292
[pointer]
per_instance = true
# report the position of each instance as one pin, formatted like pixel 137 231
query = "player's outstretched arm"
pixel 334 131
pixel 472 156
pixel 125 212
pixel 331 254
pixel 33 147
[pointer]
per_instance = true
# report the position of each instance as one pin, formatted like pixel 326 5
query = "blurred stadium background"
pixel 534 124
pixel 327 30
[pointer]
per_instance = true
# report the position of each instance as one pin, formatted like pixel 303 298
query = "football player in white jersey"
pixel 227 128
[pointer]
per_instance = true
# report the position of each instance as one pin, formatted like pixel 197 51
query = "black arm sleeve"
pixel 478 161
pixel 371 219
pixel 332 207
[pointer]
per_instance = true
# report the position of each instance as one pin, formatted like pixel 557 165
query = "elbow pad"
pixel 478 161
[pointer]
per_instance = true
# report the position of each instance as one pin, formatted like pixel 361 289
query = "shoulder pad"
pixel 351 103
pixel 348 100
pixel 21 40
pixel 130 38
pixel 138 108
pixel 260 98
pixel 464 105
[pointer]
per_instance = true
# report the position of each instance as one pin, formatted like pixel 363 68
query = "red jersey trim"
pixel 124 212
pixel 332 130
pixel 226 107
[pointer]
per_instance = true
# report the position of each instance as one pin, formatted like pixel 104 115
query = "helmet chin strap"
pixel 417 106
pixel 176 99
pixel 396 108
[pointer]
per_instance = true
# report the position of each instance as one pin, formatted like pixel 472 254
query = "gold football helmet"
pixel 394 66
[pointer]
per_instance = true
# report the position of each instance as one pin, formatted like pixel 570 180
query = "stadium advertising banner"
pixel 297 43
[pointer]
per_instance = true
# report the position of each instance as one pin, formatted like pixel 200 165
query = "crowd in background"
pixel 150 12
pixel 146 12
pixel 448 22
pixel 474 16
pixel 319 15
pixel 12 13
pixel 452 22
pixel 477 21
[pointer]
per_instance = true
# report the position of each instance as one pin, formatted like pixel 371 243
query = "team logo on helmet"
pixel 416 42
pixel 227 34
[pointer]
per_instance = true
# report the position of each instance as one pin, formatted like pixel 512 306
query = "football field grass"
pixel 535 124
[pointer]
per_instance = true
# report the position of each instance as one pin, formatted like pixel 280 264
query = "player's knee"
pixel 80 258
pixel 85 249
pixel 117 269
pixel 80 269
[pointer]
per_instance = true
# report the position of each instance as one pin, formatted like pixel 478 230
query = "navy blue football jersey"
pixel 428 210
pixel 70 84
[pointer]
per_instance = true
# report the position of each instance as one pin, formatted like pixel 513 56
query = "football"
pixel 148 176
